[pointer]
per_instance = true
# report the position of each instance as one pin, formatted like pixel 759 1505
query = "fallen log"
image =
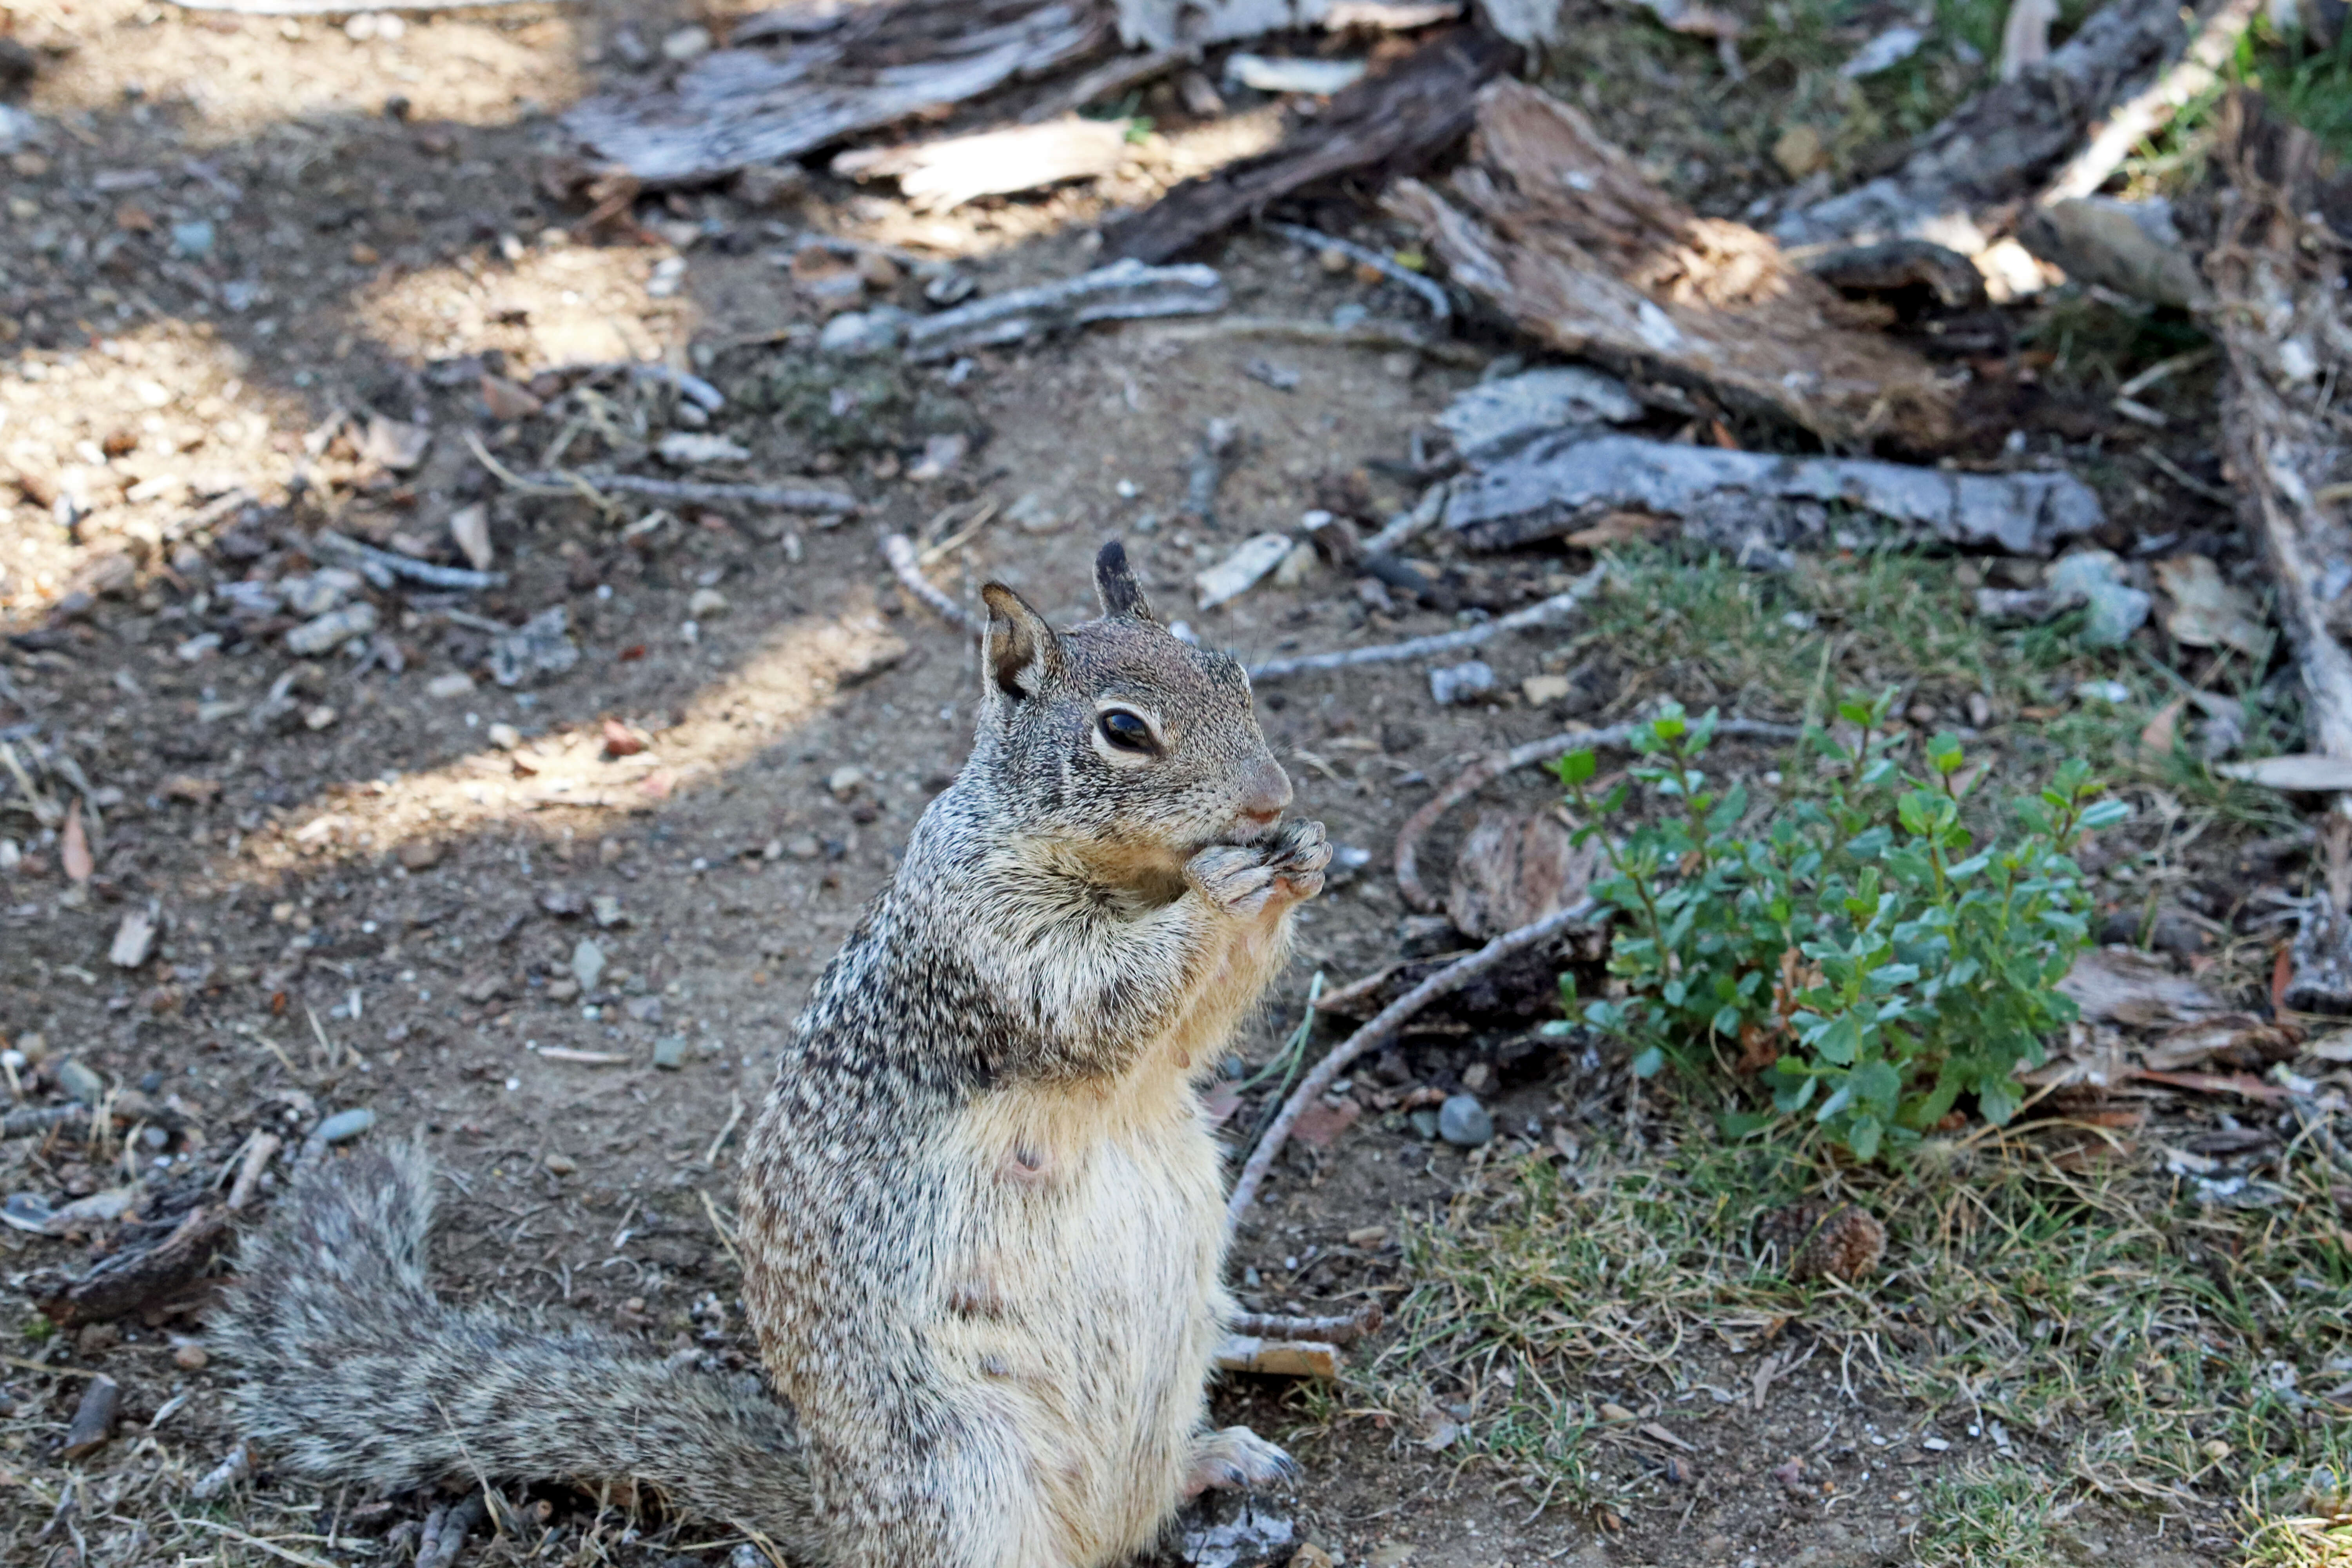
pixel 1754 505
pixel 1559 231
pixel 1396 122
pixel 739 107
pixel 2281 238
pixel 1998 147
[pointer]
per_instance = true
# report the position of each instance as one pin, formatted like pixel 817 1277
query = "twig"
pixel 1406 526
pixel 899 550
pixel 734 1115
pixel 2315 1119
pixel 1479 773
pixel 781 496
pixel 2133 121
pixel 381 566
pixel 1390 1019
pixel 258 1155
pixel 2187 480
pixel 236 1467
pixel 1396 272
pixel 1339 1330
pixel 1534 614
pixel 1375 334
pixel 17 1123
pixel 445 1531
pixel 956 541
pixel 303 1558
pixel 592 488
pixel 317 7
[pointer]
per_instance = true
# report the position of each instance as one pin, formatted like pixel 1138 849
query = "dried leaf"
pixel 2125 986
pixel 73 847
pixel 2206 611
pixel 2239 1039
pixel 2156 738
pixel 1513 870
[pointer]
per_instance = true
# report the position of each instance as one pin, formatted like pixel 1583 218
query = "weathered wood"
pixel 1998 148
pixel 1395 121
pixel 939 176
pixel 93 1419
pixel 883 64
pixel 128 1280
pixel 2281 238
pixel 1562 234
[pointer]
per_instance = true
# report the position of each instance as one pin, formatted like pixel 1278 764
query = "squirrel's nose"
pixel 1266 793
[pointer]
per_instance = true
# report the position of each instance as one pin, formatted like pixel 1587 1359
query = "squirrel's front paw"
pixel 1235 1456
pixel 1236 877
pixel 1301 850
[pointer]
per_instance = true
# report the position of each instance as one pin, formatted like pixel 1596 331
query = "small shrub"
pixel 1858 957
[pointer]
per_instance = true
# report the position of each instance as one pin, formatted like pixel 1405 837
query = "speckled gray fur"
pixel 979 1209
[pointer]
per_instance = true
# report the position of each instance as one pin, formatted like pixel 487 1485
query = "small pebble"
pixel 344 1125
pixel 191 1357
pixel 588 963
pixel 1464 1122
pixel 669 1052
pixel 843 781
pixel 562 1165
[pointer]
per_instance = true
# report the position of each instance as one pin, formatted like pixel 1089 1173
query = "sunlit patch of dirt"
pixel 553 303
pixel 133 431
pixel 228 75
pixel 596 772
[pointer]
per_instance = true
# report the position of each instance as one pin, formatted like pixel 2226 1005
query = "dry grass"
pixel 2143 1348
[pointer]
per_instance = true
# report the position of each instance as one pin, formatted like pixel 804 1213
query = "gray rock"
pixel 859 334
pixel 587 964
pixel 669 1052
pixel 541 645
pixel 343 1126
pixel 2095 578
pixel 1464 1122
pixel 331 630
pixel 1464 682
pixel 1424 1122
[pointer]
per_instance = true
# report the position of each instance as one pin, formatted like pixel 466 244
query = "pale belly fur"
pixel 1078 1309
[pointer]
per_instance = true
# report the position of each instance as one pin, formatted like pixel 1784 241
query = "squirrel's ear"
pixel 1121 591
pixel 1021 652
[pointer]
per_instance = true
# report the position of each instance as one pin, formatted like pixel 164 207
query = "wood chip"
pixel 1561 231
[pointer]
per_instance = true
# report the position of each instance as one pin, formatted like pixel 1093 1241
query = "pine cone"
pixel 1816 1239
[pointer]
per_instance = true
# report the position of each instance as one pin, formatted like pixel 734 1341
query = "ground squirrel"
pixel 982 1225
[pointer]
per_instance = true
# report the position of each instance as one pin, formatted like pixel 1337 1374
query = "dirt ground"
pixel 246 240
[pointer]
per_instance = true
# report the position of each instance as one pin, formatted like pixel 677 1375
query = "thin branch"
pixel 899 550
pixel 1396 272
pixel 381 566
pixel 592 488
pixel 1535 615
pixel 1390 1019
pixel 1487 769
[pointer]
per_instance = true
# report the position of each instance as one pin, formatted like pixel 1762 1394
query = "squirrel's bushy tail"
pixel 355 1371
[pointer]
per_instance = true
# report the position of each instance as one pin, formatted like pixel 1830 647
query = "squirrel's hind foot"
pixel 1235 1458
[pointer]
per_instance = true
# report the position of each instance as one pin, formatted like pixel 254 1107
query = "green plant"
pixel 1866 959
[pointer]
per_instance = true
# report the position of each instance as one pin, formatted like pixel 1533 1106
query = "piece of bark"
pixel 939 176
pixel 1561 233
pixel 1338 1331
pixel 739 107
pixel 2278 232
pixel 1754 505
pixel 1397 121
pixel 1279 1358
pixel 1998 147
pixel 93 1419
pixel 128 1280
pixel 1515 868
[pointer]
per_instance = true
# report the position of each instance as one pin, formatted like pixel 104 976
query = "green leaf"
pixel 1862 1137
pixel 2104 813
pixel 1576 767
pixel 1648 1063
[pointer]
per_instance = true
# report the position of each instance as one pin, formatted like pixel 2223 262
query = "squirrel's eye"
pixel 1127 731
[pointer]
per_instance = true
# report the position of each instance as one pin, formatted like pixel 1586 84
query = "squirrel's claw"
pixel 1235 1458
pixel 1236 877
